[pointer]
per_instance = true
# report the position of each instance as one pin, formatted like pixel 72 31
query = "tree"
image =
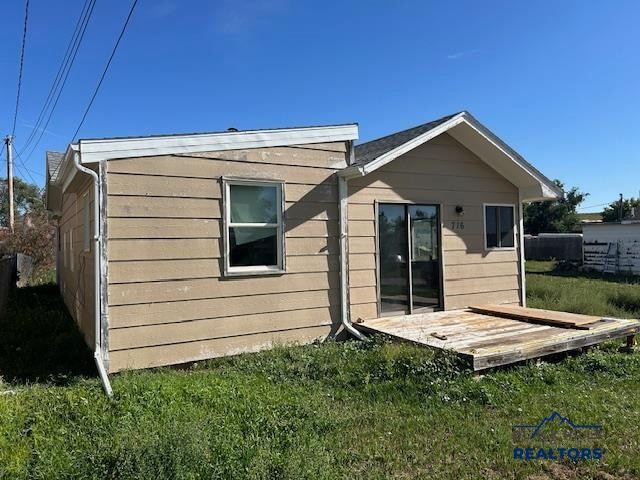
pixel 34 232
pixel 555 216
pixel 27 198
pixel 611 213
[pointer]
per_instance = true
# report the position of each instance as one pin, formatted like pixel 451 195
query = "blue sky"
pixel 558 81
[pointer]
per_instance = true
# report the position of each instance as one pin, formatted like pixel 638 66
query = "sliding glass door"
pixel 409 258
pixel 392 241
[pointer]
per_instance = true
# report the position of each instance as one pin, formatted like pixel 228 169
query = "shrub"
pixel 34 237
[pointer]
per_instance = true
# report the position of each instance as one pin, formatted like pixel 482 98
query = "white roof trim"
pixel 96 150
pixel 404 148
pixel 540 187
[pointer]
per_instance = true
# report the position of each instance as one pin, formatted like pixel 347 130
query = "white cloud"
pixel 240 17
pixel 164 8
pixel 33 127
pixel 463 53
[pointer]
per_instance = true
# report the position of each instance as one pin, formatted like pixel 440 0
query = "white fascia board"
pixel 548 188
pixel 96 150
pixel 67 171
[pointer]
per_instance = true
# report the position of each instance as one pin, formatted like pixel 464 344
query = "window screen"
pixel 499 223
pixel 254 227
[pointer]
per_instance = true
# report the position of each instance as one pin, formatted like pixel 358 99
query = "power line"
pixel 72 46
pixel 64 81
pixel 24 165
pixel 594 206
pixel 24 41
pixel 106 68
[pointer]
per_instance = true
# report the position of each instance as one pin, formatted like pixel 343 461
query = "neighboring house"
pixel 613 247
pixel 214 244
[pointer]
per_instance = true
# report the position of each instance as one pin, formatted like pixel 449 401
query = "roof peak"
pixel 367 151
pixel 437 120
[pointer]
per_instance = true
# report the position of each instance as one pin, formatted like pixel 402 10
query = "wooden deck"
pixel 490 340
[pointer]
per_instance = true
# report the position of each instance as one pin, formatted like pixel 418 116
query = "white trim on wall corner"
pixel 523 275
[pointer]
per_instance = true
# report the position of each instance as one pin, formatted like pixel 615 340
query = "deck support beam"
pixel 631 342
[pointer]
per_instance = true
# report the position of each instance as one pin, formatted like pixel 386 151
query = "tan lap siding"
pixel 168 302
pixel 175 353
pixel 439 172
pixel 76 274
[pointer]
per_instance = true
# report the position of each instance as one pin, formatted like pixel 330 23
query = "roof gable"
pixel 464 128
pixel 366 152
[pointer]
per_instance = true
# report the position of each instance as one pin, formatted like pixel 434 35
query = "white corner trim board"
pixel 106 149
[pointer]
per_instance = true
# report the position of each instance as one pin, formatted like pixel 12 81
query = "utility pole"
pixel 620 209
pixel 7 140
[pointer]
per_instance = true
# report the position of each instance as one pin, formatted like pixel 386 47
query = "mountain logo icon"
pixel 555 419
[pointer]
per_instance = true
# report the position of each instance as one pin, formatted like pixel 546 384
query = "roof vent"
pixel 232 129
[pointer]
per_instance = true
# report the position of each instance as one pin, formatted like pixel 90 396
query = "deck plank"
pixel 492 340
pixel 572 320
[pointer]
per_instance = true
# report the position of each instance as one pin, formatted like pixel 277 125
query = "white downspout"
pixel 97 261
pixel 344 287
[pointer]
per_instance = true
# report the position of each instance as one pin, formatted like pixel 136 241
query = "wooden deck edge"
pixel 467 356
pixel 497 360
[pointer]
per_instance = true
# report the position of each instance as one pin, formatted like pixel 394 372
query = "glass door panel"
pixel 392 241
pixel 425 258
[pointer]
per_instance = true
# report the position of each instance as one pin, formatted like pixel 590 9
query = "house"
pixel 177 248
pixel 613 247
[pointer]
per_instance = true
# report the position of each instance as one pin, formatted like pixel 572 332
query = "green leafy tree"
pixel 555 216
pixel 34 232
pixel 611 213
pixel 27 198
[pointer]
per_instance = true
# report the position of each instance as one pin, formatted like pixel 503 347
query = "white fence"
pixel 612 247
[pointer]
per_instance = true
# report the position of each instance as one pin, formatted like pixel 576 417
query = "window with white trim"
pixel 86 223
pixel 499 226
pixel 254 230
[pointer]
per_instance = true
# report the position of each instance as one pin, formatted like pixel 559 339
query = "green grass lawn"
pixel 336 410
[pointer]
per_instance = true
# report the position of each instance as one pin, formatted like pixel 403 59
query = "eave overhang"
pixel 107 149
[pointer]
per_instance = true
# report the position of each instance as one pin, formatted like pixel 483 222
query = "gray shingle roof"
pixel 366 152
pixel 54 159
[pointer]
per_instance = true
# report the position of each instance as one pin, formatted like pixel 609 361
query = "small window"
pixel 499 226
pixel 86 223
pixel 254 233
